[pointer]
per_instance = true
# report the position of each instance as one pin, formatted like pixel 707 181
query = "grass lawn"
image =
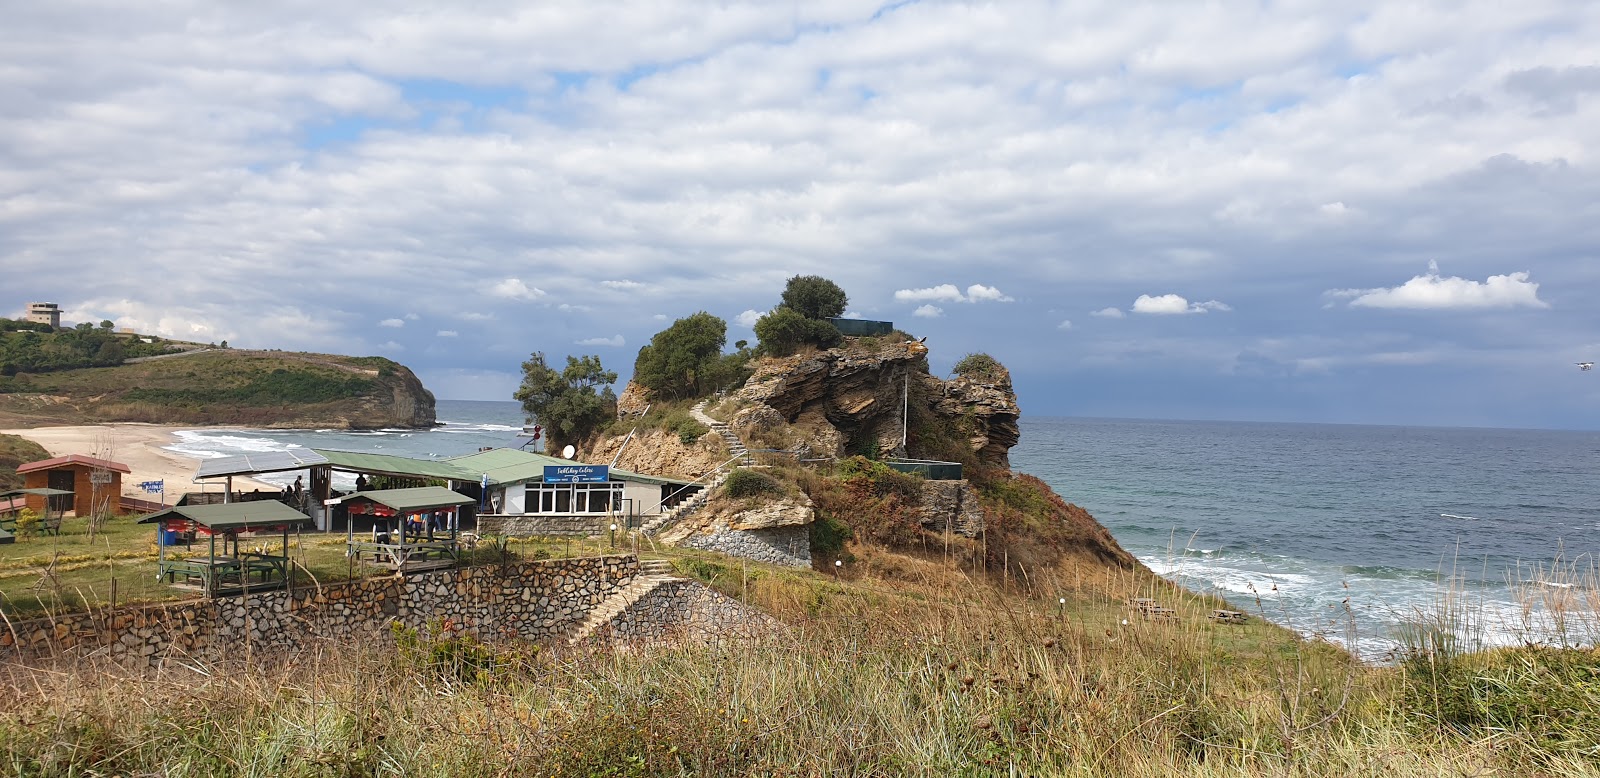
pixel 44 574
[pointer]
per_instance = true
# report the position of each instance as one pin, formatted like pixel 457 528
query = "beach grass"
pixel 897 666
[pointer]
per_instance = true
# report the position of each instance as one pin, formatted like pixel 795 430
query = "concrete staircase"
pixel 736 447
pixel 678 512
pixel 652 574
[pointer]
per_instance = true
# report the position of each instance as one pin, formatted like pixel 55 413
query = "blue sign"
pixel 577 474
pixel 153 486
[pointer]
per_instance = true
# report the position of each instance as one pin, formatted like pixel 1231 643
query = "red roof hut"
pixel 96 484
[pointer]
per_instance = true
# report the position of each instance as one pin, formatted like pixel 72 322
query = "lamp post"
pixel 613 534
pixel 837 563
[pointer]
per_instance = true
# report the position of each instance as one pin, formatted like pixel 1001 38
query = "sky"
pixel 1352 212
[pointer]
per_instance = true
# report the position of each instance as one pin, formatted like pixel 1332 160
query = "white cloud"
pixel 1108 313
pixel 390 346
pixel 981 293
pixel 1431 291
pixel 1066 324
pixel 659 317
pixel 929 311
pixel 392 323
pixel 851 315
pixel 412 317
pixel 948 293
pixel 623 284
pixel 572 308
pixel 940 293
pixel 1171 304
pixel 447 333
pixel 515 289
pixel 615 341
pixel 748 318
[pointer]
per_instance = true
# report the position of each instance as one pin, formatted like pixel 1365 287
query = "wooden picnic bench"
pixel 1150 609
pixel 1223 616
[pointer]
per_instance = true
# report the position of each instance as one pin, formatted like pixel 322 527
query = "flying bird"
pixel 1586 366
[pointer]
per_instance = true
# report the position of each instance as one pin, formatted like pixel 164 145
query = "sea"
pixel 1356 534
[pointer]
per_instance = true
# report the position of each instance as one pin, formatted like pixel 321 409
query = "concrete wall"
pixel 533 601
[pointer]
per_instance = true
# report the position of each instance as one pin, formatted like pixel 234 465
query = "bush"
pixel 783 330
pixel 28 522
pixel 749 483
pixel 814 297
pixel 979 366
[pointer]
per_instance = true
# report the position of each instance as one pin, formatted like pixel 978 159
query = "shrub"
pixel 683 360
pixel 979 366
pixel 28 522
pixel 749 483
pixel 814 297
pixel 783 330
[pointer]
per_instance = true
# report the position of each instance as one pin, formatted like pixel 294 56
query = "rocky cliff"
pixel 868 397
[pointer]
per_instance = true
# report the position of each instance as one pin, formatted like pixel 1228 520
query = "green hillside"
pixel 15 451
pixel 223 386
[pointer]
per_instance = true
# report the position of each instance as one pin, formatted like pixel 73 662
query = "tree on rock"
pixel 783 330
pixel 683 360
pixel 814 297
pixel 572 403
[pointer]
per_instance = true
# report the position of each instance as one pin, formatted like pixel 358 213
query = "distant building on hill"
pixel 44 313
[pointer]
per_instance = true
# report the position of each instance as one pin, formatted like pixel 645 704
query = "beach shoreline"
pixel 142 447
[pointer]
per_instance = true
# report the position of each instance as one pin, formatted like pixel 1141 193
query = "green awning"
pixel 423 498
pixel 404 467
pixel 515 466
pixel 233 515
pixel 35 492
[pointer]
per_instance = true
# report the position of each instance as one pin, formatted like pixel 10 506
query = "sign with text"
pixel 99 477
pixel 576 474
pixel 152 487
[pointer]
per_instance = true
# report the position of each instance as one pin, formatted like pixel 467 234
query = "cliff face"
pixel 855 399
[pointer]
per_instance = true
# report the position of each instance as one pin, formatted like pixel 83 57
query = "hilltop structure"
pixel 43 313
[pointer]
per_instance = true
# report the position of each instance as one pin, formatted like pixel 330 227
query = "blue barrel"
pixel 168 537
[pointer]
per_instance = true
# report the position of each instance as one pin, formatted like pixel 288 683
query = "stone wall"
pixel 686 611
pixel 531 600
pixel 532 526
pixel 789 546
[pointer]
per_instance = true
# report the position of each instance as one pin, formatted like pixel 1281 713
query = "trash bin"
pixel 169 537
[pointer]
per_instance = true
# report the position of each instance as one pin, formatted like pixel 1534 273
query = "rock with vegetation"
pixel 226 386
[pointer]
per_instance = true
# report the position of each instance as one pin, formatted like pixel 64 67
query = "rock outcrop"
pixel 855 399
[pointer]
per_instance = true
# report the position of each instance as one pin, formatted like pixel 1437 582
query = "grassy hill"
pixel 224 386
pixel 15 451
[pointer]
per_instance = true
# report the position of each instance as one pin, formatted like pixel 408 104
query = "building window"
pixel 574 498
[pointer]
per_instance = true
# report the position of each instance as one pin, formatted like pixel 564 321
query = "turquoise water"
pixel 1292 521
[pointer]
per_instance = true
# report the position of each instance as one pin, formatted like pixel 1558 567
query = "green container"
pixel 862 328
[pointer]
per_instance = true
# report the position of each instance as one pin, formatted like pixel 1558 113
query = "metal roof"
pixel 512 466
pixel 36 492
pixel 260 462
pixel 233 515
pixel 388 464
pixel 73 459
pixel 424 498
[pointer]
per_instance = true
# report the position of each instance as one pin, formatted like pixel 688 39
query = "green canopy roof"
pixel 388 464
pixel 233 515
pixel 513 465
pixel 424 498
pixel 36 492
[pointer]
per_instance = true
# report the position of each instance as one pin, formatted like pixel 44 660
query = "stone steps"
pixel 736 447
pixel 619 601
pixel 683 509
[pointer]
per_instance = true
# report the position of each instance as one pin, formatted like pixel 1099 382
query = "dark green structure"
pixel 862 328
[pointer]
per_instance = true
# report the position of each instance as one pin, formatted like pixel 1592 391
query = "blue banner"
pixel 576 474
pixel 153 486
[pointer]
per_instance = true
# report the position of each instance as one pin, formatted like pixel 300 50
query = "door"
pixel 63 480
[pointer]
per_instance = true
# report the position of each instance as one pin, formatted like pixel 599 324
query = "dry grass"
pixel 930 673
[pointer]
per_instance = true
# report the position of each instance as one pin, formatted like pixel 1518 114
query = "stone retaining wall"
pixel 530 600
pixel 688 611
pixel 533 526
pixel 789 546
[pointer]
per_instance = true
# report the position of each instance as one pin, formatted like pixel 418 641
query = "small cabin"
pixel 95 485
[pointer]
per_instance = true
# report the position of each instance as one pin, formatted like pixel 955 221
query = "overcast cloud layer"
pixel 1183 210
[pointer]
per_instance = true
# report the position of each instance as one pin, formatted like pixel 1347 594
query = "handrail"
pixel 712 471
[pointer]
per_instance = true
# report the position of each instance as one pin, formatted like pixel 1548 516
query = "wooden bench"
pixel 1149 609
pixel 1222 616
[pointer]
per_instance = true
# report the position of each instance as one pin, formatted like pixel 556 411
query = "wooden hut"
pixel 95 484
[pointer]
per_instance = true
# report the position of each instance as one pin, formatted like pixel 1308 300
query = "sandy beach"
pixel 139 446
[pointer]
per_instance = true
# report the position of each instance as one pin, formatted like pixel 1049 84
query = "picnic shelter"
pixel 234 570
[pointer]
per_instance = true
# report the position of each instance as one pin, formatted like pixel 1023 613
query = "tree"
pixel 681 360
pixel 572 403
pixel 106 324
pixel 814 297
pixel 784 329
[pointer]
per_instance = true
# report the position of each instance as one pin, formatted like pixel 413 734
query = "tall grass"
pixel 933 673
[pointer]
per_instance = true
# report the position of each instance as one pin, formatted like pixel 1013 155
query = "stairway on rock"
pixel 652 574
pixel 736 447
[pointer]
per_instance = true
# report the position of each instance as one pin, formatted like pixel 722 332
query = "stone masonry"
pixel 788 546
pixel 533 526
pixel 688 611
pixel 533 600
